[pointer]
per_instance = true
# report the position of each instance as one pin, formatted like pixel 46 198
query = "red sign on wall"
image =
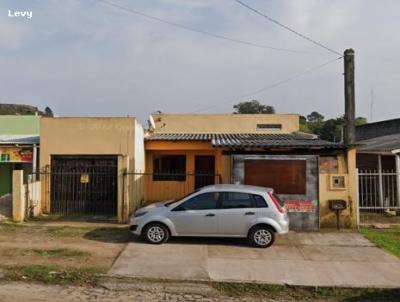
pixel 301 206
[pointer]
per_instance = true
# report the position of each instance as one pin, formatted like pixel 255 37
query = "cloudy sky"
pixel 87 58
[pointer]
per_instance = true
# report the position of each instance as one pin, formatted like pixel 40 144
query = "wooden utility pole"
pixel 349 98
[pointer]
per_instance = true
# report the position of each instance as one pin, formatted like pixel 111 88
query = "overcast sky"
pixel 86 58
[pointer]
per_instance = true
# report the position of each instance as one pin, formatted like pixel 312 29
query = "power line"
pixel 287 27
pixel 276 84
pixel 171 23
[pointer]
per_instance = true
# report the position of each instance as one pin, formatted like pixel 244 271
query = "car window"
pixel 205 201
pixel 236 200
pixel 259 201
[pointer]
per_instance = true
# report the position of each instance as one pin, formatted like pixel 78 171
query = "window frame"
pixel 168 176
pixel 271 126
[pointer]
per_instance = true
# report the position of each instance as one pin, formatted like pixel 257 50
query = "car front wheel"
pixel 261 236
pixel 156 233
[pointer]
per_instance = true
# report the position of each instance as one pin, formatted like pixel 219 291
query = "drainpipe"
pixel 380 181
pixel 397 157
pixel 34 162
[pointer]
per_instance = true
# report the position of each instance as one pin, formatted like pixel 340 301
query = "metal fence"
pixel 93 191
pixel 89 191
pixel 379 196
pixel 152 187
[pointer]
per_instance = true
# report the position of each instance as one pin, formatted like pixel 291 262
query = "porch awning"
pixel 20 139
pixel 380 144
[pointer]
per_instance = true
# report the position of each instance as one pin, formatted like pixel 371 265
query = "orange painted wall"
pixel 165 190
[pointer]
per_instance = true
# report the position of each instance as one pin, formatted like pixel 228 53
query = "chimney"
pixel 349 99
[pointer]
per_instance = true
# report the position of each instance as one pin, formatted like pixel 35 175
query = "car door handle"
pixel 249 213
pixel 210 215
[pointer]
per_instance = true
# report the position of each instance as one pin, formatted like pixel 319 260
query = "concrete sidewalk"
pixel 309 259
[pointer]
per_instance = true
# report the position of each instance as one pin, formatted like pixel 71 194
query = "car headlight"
pixel 140 214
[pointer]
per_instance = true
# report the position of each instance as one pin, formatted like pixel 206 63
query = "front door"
pixel 204 171
pixel 196 216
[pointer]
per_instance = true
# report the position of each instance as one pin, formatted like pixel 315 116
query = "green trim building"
pixel 19 142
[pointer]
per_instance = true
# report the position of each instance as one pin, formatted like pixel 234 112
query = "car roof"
pixel 236 187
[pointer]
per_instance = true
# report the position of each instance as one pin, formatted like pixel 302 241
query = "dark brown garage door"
pixel 285 176
pixel 84 185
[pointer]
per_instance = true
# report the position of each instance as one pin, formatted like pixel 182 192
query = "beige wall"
pixel 223 123
pixel 95 136
pixel 80 136
pixel 346 167
pixel 135 182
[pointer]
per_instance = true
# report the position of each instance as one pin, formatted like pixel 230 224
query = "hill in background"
pixel 16 109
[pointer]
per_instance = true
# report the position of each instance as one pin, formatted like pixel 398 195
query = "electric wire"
pixel 273 85
pixel 207 33
pixel 287 27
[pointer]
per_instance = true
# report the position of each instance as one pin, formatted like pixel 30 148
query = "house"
pixel 107 167
pixel 83 162
pixel 19 145
pixel 187 151
pixel 378 162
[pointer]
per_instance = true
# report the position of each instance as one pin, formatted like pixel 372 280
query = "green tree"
pixel 315 122
pixel 252 107
pixel 48 112
pixel 332 129
pixel 303 124
pixel 360 121
pixel 315 117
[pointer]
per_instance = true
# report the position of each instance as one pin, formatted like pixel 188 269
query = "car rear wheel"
pixel 156 233
pixel 261 236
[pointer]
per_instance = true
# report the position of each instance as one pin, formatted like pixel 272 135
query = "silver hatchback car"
pixel 215 211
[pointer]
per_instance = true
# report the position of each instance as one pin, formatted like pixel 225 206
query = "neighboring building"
pixel 83 162
pixel 378 145
pixel 184 152
pixel 19 143
pixel 378 162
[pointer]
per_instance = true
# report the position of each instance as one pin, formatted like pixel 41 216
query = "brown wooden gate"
pixel 293 177
pixel 285 176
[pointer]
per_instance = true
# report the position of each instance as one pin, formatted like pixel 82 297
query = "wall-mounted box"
pixel 337 182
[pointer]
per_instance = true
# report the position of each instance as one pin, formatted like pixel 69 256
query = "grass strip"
pixel 387 239
pixel 302 293
pixel 53 274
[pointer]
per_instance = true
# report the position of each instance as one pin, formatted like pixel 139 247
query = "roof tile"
pixel 240 140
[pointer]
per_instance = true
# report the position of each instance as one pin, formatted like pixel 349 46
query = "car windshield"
pixel 167 204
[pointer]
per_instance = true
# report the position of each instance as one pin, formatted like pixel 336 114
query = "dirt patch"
pixel 142 290
pixel 5 206
pixel 79 247
pixel 379 218
pixel 48 253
